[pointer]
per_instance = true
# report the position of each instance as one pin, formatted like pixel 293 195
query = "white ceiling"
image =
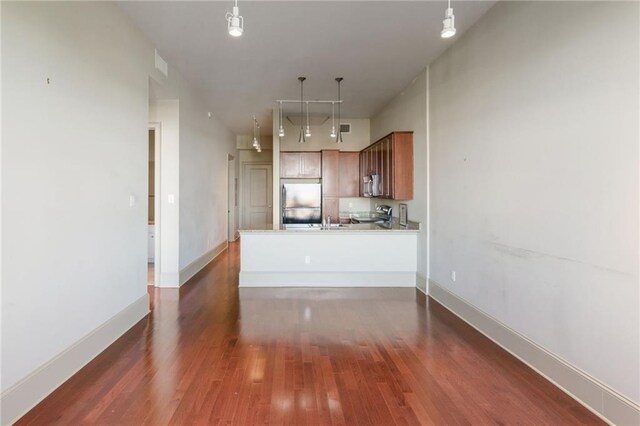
pixel 377 46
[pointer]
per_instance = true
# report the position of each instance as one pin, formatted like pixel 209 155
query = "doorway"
pixel 257 196
pixel 153 208
pixel 232 202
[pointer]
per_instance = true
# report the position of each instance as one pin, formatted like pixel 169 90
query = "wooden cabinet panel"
pixel 391 158
pixel 331 207
pixel 331 173
pixel 310 165
pixel 349 182
pixel 289 164
pixel 402 149
pixel 300 165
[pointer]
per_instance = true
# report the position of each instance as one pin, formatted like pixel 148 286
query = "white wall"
pixel 74 151
pixel 408 111
pixel 534 178
pixel 204 146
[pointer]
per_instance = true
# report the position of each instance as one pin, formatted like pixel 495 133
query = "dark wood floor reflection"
pixel 211 353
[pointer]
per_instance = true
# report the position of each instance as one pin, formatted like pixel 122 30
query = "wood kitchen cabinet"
pixel 300 165
pixel 391 159
pixel 330 173
pixel 349 171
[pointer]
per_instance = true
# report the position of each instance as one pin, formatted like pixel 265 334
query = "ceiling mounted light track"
pixel 449 23
pixel 305 131
pixel 235 22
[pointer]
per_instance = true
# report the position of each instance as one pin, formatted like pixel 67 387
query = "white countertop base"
pixel 336 259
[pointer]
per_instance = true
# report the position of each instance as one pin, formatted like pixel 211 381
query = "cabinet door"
pixel 402 153
pixel 389 169
pixel 331 173
pixel 289 164
pixel 331 207
pixel 310 165
pixel 363 171
pixel 349 174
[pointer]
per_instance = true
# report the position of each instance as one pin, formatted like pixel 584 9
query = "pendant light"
pixel 235 22
pixel 333 120
pixel 307 132
pixel 301 139
pixel 281 130
pixel 448 24
pixel 339 134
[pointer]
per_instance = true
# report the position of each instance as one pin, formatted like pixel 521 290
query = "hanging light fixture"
pixel 339 134
pixel 301 139
pixel 281 130
pixel 235 22
pixel 333 120
pixel 448 24
pixel 307 132
pixel 255 137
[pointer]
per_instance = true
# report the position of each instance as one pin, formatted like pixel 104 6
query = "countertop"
pixel 411 228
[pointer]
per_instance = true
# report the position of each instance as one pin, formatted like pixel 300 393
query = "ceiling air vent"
pixel 345 128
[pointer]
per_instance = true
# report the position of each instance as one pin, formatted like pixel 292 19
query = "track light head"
pixel 281 131
pixel 448 24
pixel 235 22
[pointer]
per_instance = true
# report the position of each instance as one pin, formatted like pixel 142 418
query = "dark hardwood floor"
pixel 211 353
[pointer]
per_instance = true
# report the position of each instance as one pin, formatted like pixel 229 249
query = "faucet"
pixel 329 221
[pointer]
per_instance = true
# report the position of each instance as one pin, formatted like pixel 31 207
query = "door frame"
pixel 157 129
pixel 232 201
pixel 241 192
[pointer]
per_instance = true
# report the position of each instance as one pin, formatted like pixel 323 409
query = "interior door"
pixel 258 212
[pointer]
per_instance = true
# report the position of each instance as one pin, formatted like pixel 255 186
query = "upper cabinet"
pixel 331 173
pixel 349 165
pixel 300 165
pixel 386 167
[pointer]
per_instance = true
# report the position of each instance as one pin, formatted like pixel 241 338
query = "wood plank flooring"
pixel 211 353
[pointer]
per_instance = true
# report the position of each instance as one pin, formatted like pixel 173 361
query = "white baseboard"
pixel 327 279
pixel 595 396
pixel 421 282
pixel 27 393
pixel 194 267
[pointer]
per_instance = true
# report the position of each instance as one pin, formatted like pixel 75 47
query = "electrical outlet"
pixel 307 260
pixel 350 205
pixel 453 276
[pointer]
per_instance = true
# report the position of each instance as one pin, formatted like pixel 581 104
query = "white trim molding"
pixel 196 266
pixel 587 390
pixel 421 282
pixel 27 393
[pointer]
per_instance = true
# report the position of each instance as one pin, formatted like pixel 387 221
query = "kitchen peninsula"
pixel 356 255
pixel 365 249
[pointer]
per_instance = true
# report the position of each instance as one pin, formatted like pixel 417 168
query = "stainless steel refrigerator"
pixel 302 203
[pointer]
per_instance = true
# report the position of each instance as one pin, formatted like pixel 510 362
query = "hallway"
pixel 211 353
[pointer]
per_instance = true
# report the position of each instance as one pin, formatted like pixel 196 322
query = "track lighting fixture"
pixel 281 129
pixel 307 132
pixel 256 135
pixel 305 126
pixel 448 24
pixel 333 120
pixel 301 138
pixel 339 134
pixel 235 22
